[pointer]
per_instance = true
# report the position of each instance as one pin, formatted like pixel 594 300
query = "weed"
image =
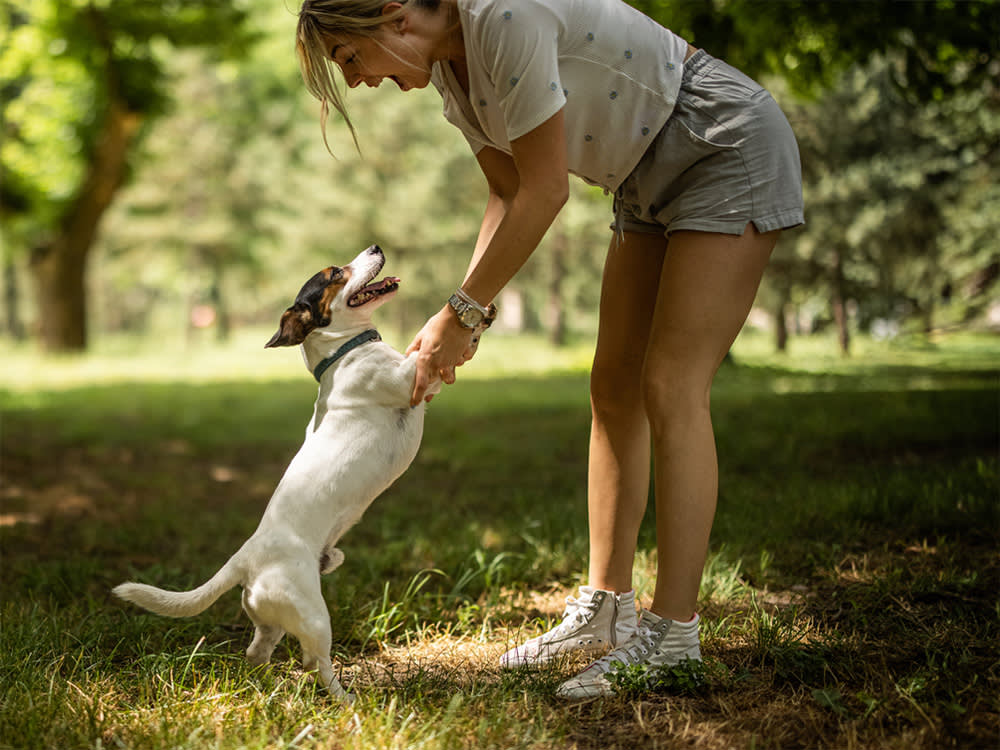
pixel 388 614
pixel 636 680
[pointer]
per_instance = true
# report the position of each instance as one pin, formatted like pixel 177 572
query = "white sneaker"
pixel 658 642
pixel 597 621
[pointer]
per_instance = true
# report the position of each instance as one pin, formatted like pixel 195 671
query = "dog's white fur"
pixel 362 437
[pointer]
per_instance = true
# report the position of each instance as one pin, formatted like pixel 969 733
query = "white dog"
pixel 362 437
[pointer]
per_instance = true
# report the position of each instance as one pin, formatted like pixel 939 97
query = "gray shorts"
pixel 725 157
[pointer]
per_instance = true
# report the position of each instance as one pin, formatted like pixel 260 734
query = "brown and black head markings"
pixel 351 291
pixel 312 307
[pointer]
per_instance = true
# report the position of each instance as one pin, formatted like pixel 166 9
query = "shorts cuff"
pixel 640 227
pixel 783 220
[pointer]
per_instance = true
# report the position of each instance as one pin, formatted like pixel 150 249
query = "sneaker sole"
pixel 509 661
pixel 574 690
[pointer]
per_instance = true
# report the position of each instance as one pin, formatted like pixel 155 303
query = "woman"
pixel 705 173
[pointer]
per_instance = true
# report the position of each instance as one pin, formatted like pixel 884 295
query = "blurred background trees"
pixel 163 170
pixel 81 79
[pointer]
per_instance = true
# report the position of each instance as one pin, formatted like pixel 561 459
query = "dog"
pixel 362 436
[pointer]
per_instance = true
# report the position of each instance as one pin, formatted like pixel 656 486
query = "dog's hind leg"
pixel 315 635
pixel 324 667
pixel 316 656
pixel 265 638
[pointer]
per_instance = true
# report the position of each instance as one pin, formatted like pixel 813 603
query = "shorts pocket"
pixel 706 140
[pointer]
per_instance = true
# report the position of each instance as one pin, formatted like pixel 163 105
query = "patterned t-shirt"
pixel 614 70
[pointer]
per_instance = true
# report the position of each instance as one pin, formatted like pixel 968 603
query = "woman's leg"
pixel 707 284
pixel 618 481
pixel 604 614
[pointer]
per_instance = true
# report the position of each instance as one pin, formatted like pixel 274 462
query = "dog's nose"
pixel 375 250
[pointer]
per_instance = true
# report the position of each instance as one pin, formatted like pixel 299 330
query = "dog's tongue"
pixel 387 281
pixel 375 289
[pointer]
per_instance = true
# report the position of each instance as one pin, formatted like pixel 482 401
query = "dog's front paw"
pixel 331 559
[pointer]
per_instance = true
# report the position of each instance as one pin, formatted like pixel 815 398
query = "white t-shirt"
pixel 616 72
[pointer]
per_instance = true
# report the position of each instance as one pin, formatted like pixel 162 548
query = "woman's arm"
pixel 502 180
pixel 532 185
pixel 527 190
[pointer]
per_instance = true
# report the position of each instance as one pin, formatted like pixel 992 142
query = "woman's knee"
pixel 614 388
pixel 674 399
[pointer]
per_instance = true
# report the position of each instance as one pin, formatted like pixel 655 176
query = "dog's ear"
pixel 296 323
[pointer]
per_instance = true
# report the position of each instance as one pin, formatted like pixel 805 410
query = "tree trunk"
pixel 223 325
pixel 781 327
pixel 555 306
pixel 781 318
pixel 11 299
pixel 927 315
pixel 839 304
pixel 59 267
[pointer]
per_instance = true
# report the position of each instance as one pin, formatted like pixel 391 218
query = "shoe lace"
pixel 576 613
pixel 632 651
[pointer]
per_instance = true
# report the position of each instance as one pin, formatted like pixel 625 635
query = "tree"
pixel 940 45
pixel 236 191
pixel 900 119
pixel 901 199
pixel 80 79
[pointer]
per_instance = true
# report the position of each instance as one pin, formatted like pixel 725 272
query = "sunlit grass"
pixel 821 354
pixel 908 362
pixel 243 357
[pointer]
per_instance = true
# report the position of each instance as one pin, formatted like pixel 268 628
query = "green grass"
pixel 850 597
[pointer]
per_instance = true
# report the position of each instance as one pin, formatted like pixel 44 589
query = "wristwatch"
pixel 469 313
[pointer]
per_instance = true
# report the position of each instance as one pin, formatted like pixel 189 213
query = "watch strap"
pixel 462 310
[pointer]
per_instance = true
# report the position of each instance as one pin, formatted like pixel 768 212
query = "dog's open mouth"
pixel 373 290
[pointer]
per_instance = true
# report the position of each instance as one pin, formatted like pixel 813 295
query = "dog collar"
pixel 362 338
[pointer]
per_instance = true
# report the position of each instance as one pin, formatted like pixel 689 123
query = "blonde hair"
pixel 321 19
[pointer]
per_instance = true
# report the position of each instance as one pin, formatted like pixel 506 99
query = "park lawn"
pixel 850 597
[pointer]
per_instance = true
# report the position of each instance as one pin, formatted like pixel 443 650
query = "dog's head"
pixel 337 299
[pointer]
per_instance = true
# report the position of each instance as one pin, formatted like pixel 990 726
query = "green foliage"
pixel 902 193
pixel 638 680
pixel 942 45
pixel 47 96
pixel 62 65
pixel 233 197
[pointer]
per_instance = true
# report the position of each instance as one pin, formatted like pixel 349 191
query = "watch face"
pixel 470 317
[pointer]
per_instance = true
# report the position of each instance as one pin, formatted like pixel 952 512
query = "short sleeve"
pixel 453 111
pixel 519 46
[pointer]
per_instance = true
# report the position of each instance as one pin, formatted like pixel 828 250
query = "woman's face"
pixel 391 53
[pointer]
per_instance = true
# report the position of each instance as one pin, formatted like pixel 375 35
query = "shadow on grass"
pixel 502 468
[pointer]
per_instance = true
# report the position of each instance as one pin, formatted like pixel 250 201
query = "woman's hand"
pixel 442 345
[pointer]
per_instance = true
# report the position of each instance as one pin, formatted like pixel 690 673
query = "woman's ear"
pixel 401 20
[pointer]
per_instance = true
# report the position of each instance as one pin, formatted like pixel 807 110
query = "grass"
pixel 849 600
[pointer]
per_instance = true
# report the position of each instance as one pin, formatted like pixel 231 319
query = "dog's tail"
pixel 182 603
